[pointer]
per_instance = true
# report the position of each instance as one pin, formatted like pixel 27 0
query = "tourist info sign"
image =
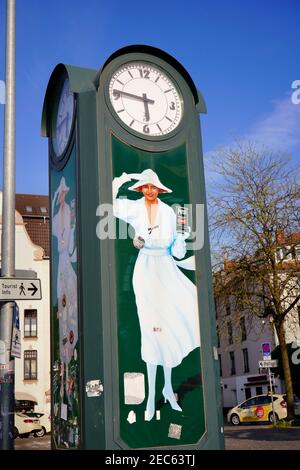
pixel 20 289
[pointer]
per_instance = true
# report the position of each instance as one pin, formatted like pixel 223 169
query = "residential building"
pixel 240 335
pixel 32 370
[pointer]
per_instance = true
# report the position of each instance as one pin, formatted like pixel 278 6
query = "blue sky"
pixel 242 55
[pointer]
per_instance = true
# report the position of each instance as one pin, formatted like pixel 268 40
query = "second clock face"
pixel 146 99
pixel 64 119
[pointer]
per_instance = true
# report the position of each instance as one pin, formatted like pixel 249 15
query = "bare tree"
pixel 254 212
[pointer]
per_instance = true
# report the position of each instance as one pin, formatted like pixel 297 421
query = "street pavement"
pixel 243 437
pixel 33 443
pixel 261 437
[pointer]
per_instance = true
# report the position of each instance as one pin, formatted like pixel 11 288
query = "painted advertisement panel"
pixel 65 345
pixel 159 351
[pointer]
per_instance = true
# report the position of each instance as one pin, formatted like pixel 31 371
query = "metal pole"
pixel 272 401
pixel 7 365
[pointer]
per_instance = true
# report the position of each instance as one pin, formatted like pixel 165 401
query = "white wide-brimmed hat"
pixel 62 188
pixel 149 177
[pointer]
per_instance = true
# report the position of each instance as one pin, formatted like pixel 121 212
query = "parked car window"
pixel 247 403
pixel 263 400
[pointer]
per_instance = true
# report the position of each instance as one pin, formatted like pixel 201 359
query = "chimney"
pixel 280 238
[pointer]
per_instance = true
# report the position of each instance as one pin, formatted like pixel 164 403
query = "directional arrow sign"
pixel 20 289
pixel 266 364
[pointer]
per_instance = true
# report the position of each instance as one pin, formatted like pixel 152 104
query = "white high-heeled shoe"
pixel 170 397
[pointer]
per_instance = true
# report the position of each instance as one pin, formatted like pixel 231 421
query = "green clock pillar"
pixel 134 358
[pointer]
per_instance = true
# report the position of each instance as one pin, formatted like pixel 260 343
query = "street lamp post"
pixel 7 366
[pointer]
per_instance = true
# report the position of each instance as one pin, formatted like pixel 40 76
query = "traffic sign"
pixel 15 349
pixel 20 289
pixel 266 350
pixel 268 364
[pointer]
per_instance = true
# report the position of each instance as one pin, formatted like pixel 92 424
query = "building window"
pixel 247 393
pixel 220 363
pixel 246 360
pixel 28 209
pixel 30 323
pixel 243 328
pixel 229 330
pixel 44 210
pixel 30 365
pixel 232 363
pixel 259 390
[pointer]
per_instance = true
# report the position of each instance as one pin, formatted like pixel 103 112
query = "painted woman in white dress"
pixel 63 230
pixel 166 299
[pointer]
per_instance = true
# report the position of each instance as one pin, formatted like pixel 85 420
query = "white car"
pixel 44 419
pixel 25 425
pixel 258 408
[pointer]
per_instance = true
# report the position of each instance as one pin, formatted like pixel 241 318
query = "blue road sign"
pixel 266 350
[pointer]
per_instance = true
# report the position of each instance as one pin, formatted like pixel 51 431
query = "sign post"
pixel 268 363
pixel 7 374
pixel 272 400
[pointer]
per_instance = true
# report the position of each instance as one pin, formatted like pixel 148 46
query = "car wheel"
pixel 40 433
pixel 271 417
pixel 24 435
pixel 15 433
pixel 235 420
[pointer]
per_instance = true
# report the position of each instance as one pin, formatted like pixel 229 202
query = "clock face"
pixel 146 99
pixel 64 119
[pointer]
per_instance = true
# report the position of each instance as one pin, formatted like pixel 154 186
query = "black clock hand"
pixel 118 93
pixel 146 101
pixel 65 119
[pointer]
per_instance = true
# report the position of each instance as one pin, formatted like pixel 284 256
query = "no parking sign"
pixel 266 351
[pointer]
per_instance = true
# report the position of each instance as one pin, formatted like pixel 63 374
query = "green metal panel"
pixel 189 137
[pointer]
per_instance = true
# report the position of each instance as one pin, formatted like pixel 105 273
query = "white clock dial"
pixel 64 119
pixel 146 99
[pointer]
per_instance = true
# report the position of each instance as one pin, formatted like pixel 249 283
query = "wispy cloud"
pixel 279 129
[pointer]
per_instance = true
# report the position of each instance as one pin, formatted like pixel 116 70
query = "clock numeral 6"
pixel 172 105
pixel 146 129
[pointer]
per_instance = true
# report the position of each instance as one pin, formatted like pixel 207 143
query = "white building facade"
pixel 32 370
pixel 241 336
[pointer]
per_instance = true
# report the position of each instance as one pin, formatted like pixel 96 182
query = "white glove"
pixel 118 182
pixel 134 176
pixel 124 178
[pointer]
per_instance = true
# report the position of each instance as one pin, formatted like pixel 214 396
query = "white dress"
pixel 166 299
pixel 66 284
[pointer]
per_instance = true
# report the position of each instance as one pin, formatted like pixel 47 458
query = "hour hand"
pixel 118 93
pixel 146 101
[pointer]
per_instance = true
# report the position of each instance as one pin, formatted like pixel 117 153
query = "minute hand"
pixel 130 95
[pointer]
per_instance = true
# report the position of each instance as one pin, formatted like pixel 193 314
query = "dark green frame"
pixel 187 132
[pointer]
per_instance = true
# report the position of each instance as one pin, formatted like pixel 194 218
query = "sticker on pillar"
pixel 174 431
pixel 157 301
pixel 94 388
pixel 134 388
pixel 131 418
